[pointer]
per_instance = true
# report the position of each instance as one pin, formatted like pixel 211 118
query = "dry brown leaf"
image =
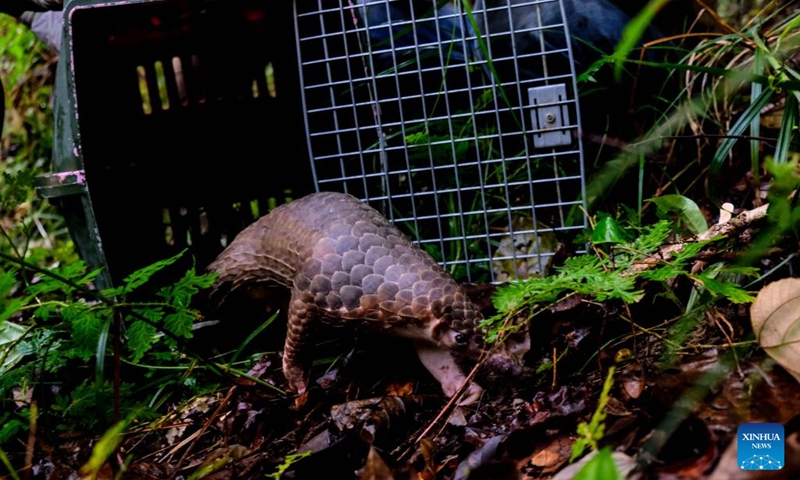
pixel 775 316
pixel 549 455
pixel 633 386
pixel 400 389
pixel 458 418
pixel 376 468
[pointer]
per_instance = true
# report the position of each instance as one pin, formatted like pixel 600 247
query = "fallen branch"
pixel 735 224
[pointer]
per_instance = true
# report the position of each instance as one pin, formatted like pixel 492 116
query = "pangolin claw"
pixel 472 395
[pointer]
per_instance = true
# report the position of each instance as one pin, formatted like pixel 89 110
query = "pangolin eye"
pixel 461 339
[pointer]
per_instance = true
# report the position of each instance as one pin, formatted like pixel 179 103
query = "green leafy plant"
pixel 30 225
pixel 615 274
pixel 67 323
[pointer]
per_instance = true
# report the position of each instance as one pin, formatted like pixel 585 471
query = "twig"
pixel 451 403
pixel 667 252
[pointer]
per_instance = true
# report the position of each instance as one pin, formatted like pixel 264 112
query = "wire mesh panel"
pixel 458 122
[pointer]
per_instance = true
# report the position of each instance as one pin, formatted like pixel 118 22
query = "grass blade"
pixel 751 112
pixel 788 125
pixel 755 124
pixel 633 32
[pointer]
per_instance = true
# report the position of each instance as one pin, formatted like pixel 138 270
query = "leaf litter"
pixel 365 425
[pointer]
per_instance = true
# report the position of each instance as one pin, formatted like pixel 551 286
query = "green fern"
pixel 611 276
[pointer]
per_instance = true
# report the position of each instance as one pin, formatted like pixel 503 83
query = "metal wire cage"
pixel 460 122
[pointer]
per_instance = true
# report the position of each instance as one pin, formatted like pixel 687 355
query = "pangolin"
pixel 344 262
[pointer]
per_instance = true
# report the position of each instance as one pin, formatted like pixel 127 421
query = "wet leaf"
pixel 775 316
pixel 11 349
pixel 601 466
pixel 376 468
pixel 373 417
pixel 685 208
pixel 607 230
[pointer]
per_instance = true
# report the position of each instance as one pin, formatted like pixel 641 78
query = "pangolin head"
pixel 453 320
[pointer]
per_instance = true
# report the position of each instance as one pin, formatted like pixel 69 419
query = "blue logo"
pixel 760 446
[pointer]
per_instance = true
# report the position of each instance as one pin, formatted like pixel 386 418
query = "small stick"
pixel 738 222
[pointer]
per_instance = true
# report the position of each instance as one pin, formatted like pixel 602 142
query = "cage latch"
pixel 549 116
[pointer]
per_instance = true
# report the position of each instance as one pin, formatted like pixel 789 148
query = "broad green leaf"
pixel 11 349
pixel 607 230
pixel 419 138
pixel 775 316
pixel 687 210
pixel 600 467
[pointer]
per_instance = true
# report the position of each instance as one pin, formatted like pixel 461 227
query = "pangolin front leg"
pixel 301 325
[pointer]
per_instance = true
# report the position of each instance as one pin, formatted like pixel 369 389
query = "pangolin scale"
pixel 345 262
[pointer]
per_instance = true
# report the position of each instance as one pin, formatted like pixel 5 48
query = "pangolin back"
pixel 345 260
